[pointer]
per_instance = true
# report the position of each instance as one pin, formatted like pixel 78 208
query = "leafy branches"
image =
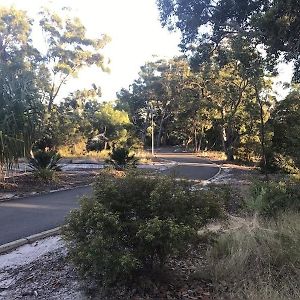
pixel 68 50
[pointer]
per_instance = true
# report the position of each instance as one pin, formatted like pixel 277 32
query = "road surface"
pixel 189 166
pixel 20 218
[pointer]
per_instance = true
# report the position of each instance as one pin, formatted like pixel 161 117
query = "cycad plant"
pixel 120 158
pixel 44 164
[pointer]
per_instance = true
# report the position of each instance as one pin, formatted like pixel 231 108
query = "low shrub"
pixel 44 164
pixel 44 175
pixel 259 260
pixel 270 198
pixel 120 159
pixel 134 223
pixel 45 160
pixel 277 162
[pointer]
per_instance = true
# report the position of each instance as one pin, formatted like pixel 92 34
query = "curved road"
pixel 189 166
pixel 30 215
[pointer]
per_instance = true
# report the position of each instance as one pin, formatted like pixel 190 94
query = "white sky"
pixel 136 36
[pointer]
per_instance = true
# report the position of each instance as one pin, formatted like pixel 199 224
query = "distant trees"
pixel 21 109
pixel 219 104
pixel 285 142
pixel 30 81
pixel 80 117
pixel 68 50
pixel 234 35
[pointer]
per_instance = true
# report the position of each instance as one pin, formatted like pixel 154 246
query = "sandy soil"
pixel 27 184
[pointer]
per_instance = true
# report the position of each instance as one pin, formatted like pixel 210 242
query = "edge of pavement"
pixel 44 193
pixel 28 240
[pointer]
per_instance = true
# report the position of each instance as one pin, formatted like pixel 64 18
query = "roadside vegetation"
pixel 142 234
pixel 136 229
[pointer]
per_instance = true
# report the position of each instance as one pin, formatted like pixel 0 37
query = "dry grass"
pixel 213 155
pixel 144 157
pixel 79 151
pixel 256 259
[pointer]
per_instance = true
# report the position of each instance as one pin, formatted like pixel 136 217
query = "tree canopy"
pixel 206 24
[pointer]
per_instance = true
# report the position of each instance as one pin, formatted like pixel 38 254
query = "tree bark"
pixel 158 140
pixel 262 132
pixel 227 142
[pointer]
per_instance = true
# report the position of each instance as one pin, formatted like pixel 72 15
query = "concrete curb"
pixel 28 240
pixel 45 193
pixel 216 175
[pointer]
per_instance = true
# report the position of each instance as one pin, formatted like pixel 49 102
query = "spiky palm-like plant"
pixel 120 159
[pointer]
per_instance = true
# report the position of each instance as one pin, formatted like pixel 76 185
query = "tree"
pixel 113 124
pixel 158 88
pixel 21 109
pixel 286 127
pixel 68 50
pixel 206 24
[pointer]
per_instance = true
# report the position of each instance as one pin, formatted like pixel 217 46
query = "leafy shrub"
pixel 44 164
pixel 258 260
pixel 95 145
pixel 120 158
pixel 270 198
pixel 285 163
pixel 44 174
pixel 277 162
pixel 134 223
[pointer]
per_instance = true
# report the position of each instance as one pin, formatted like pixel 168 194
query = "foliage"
pixel 121 159
pixel 45 160
pixel 134 223
pixel 277 162
pixel 271 198
pixel 44 175
pixel 81 117
pixel 206 25
pixel 21 107
pixel 286 128
pixel 258 260
pixel 69 49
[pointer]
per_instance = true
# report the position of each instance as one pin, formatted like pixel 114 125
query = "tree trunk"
pixel 158 141
pixel 262 132
pixel 227 142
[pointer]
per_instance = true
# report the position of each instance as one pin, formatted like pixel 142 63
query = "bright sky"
pixel 136 36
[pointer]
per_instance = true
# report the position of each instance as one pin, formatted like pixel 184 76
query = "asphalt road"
pixel 30 215
pixel 189 166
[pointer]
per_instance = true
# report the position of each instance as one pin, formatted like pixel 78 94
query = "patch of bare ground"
pixel 28 184
pixel 52 277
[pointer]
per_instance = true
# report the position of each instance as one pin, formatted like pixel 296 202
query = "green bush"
pixel 44 175
pixel 134 223
pixel 44 164
pixel 277 162
pixel 120 159
pixel 45 160
pixel 270 198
